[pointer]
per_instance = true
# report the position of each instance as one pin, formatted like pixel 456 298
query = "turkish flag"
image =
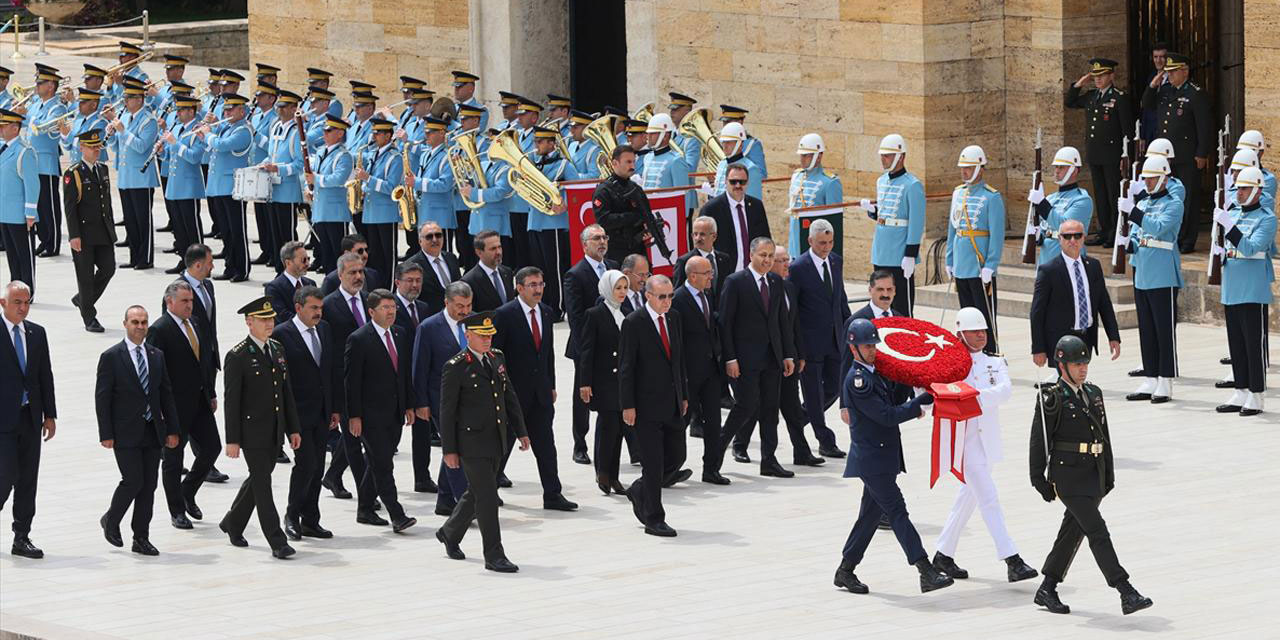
pixel 668 206
pixel 581 214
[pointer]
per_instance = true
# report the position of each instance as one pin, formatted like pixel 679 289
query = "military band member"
pixel 549 232
pixel 229 145
pixel 1070 202
pixel 468 119
pixel 464 90
pixel 519 251
pixel 284 161
pixel 508 102
pixel 432 180
pixel 494 202
pixel 210 101
pixel 734 138
pixel 262 119
pixel 316 113
pixel 185 185
pixel 330 168
pixel 382 172
pixel 582 152
pixel 409 85
pixel 1108 113
pixel 636 134
pixel 622 208
pixel 20 184
pixel 319 79
pixel 90 226
pixel 88 117
pixel 230 86
pixel 975 237
pixel 559 108
pixel 357 87
pixel 361 132
pixel 811 185
pixel 1184 118
pixel 115 83
pixel 687 147
pixel 752 148
pixel 44 107
pixel 414 128
pixel 175 67
pixel 135 132
pixel 474 436
pixel 899 213
pixel 6 98
pixel 664 166
pixel 1071 460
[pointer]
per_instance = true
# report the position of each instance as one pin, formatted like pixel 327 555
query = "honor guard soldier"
pixel 752 148
pixel 1252 140
pixel 622 208
pixel 975 237
pixel 6 98
pixel 46 106
pixel 1157 278
pixel 90 226
pixel 1072 461
pixel 665 167
pixel 360 134
pixel 19 210
pixel 1163 148
pixel 1108 122
pixel 875 456
pixel 185 184
pixel 320 79
pixel 88 117
pixel 811 185
pixel 899 215
pixel 687 147
pixel 734 138
pixel 479 415
pixel 229 145
pixel 382 172
pixel 135 132
pixel 549 232
pixel 508 102
pixel 1070 202
pixel 284 162
pixel 433 181
pixel 259 414
pixel 1185 118
pixel 1247 274
pixel 981 449
pixel 464 90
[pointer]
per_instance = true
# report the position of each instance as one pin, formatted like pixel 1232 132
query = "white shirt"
pixel 293 282
pixel 182 325
pixel 134 348
pixel 359 305
pixel 1075 292
pixel 488 273
pixel 877 312
pixel 756 277
pixel 697 295
pixel 261 345
pixel 819 262
pixel 596 266
pixel 383 334
pixel 453 327
pixel 738 230
pixel 407 305
pixel 529 321
pixel 198 285
pixel 654 315
pixel 8 330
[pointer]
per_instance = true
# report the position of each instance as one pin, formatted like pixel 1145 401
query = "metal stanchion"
pixel 41 51
pixel 17 38
pixel 146 29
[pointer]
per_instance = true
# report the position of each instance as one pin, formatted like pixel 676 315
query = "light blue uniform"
pixel 261 122
pixel 6 99
pixel 977 220
pixel 584 157
pixel 1157 263
pixel 471 102
pixel 185 182
pixel 19 183
pixel 665 168
pixel 229 146
pixel 45 144
pixel 284 151
pixel 83 124
pixel 1247 272
pixel 134 145
pixel 335 107
pixel 690 148
pixel 359 134
pixel 385 174
pixel 899 219
pixel 433 180
pixel 755 176
pixel 755 153
pixel 333 166
pixel 1070 202
pixel 809 188
pixel 556 169
pixel 116 91
pixel 495 201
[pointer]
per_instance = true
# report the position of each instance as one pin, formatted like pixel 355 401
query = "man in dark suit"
pixel 526 341
pixel 380 403
pixel 439 267
pixel 293 255
pixel 1070 297
pixel 490 280
pixel 636 268
pixel 703 367
pixel 198 259
pixel 436 340
pixel 345 310
pixel 880 290
pixel 474 438
pixel 354 244
pixel 308 352
pixel 136 416
pixel 580 294
pixel 704 244
pixel 822 309
pixel 759 350
pixel 269 416
pixel 188 359
pixel 27 411
pixel 654 394
pixel 739 217
pixel 411 312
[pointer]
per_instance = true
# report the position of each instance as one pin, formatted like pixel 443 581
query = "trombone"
pixel 125 66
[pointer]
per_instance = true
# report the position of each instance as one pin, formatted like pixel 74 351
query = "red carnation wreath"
pixel 919 353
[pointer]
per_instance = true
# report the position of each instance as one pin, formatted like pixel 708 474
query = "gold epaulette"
pixel 990 188
pixel 828 173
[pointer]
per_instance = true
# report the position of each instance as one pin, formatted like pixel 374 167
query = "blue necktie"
pixel 497 284
pixel 462 337
pixel 145 377
pixel 1082 302
pixel 22 357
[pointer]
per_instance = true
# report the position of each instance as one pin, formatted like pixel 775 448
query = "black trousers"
pixel 95 265
pixel 19 469
pixel 328 244
pixel 422 450
pixel 20 251
pixel 704 410
pixel 537 421
pixel 140 233
pixel 1106 190
pixel 308 468
pixel 49 227
pixel 551 254
pixel 581 423
pixel 139 468
pixel 197 427
pixel 467 257
pixel 480 503
pixel 755 399
pixel 662 450
pixel 255 494
pixel 282 228
pixel 793 415
pixel 350 453
pixel 185 222
pixel 380 442
pixel 1082 520
pixel 608 444
pixel 262 218
pixel 1157 330
pixel 230 214
pixel 214 227
pixel 904 297
pixel 168 207
pixel 881 498
pixel 820 387
pixel 522 255
pixel 452 484
pixel 1186 171
pixel 382 252
pixel 973 293
pixel 1247 344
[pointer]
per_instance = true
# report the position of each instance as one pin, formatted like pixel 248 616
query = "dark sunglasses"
pixel 433 236
pixel 737 183
pixel 663 296
pixel 362 251
pixel 1072 236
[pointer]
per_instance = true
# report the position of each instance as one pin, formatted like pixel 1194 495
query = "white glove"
pixel 1136 187
pixel 1036 195
pixel 635 177
pixel 1125 204
pixel 1122 241
pixel 986 274
pixel 950 272
pixel 1217 250
pixel 908 267
pixel 1222 217
pixel 866 205
pixel 707 189
pixel 1228 181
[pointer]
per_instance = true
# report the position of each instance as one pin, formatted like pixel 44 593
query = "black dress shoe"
pixel 635 506
pixel 617 487
pixel 884 523
pixel 741 456
pixel 830 452
pixel 369 517
pixel 1137 373
pixel 1226 360
pixel 403 523
pixel 216 477
pixel 451 549
pixel 1047 597
pixel 500 502
pixel 174 270
pixel 144 547
pixel 811 461
pixel 427 486
pixel 377 505
pixel 180 521
pixel 22 547
pixel 127 265
pixel 604 486
pixel 293 529
pixel 171 250
pixel 662 530
pixel 501 565
pixel 75 301
pixel 1250 412
pixel 1131 600
pixel 947 565
pixel 1227 408
pixel 237 540
pixel 111 533
pixel 282 552
pixel 1224 384
pixel 444 511
pixel 676 477
pixel 714 477
pixel 144 266
pixel 93 326
pixel 1159 399
pixel 222 276
pixel 581 457
pixel 845 579
pixel 282 458
pixel 316 531
pixel 503 481
pixel 261 259
pixel 1019 570
pixel 336 489
pixel 193 510
pixel 930 578
pixel 775 470
pixel 558 502
pixel 695 431
pixel 1138 396
pixel 240 279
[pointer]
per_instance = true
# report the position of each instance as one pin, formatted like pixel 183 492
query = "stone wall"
pixel 1261 83
pixel 213 43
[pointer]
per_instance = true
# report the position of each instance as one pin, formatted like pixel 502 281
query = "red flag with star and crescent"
pixel 667 205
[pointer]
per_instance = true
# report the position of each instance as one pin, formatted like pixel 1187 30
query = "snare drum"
pixel 252 184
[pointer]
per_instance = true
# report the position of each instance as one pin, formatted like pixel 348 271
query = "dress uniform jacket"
pixel 19 182
pixel 975 235
pixel 1065 419
pixel 46 144
pixel 755 176
pixel 1268 200
pixel 479 410
pixel 82 124
pixel 116 90
pixel 1157 263
pixel 285 151
pixel 1184 117
pixel 666 168
pixel 1108 120
pixel 385 174
pixel 86 199
pixel 186 181
pixel 810 188
pixel 584 157
pixel 494 213
pixel 332 168
pixel 262 122
pixel 435 185
pixel 229 144
pixel 472 102
pixel 260 409
pixel 875 444
pixel 555 169
pixel 990 376
pixel 1247 271
pixel 899 218
pixel 1070 202
pixel 754 151
pixel 359 134
pixel 134 146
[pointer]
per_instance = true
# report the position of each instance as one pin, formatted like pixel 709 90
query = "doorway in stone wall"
pixel 597 54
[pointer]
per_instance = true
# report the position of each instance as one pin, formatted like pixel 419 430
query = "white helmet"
pixel 972 156
pixel 893 145
pixel 1067 157
pixel 810 143
pixel 1156 167
pixel 1251 139
pixel 1160 147
pixel 1248 184
pixel 1244 157
pixel 970 319
pixel 661 123
pixel 733 131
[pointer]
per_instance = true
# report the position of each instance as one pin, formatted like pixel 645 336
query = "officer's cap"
pixel 462 77
pixel 436 124
pixel 231 77
pixel 5 72
pixel 288 97
pixel 529 106
pixel 318 74
pixel 178 86
pixel 422 94
pixel 215 76
pixel 680 100
pixel 610 110
pixel 382 126
pixel 469 111
pixel 480 323
pixel 266 88
pixel 174 61
pixel 91 71
pixel 267 69
pixel 129 48
pixel 91 139
pixel 335 122
pixel 1099 66
pixel 234 99
pixel 10 117
pixel 134 87
pixel 554 100
pixel 186 102
pixel 543 133
pixel 260 308
pixel 357 86
pixel 1175 61
pixel 635 126
pixel 730 112
pixel 410 82
pixel 363 97
pixel 579 117
pixel 46 73
pixel 89 94
pixel 320 93
pixel 508 99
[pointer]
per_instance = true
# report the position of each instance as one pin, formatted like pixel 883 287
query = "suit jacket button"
pixel 615 370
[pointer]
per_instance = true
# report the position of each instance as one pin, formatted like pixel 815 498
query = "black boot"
pixel 1019 570
pixel 1130 599
pixel 947 565
pixel 846 580
pixel 1047 597
pixel 931 578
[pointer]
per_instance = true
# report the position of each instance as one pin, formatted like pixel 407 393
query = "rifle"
pixel 1119 257
pixel 1220 201
pixel 308 191
pixel 1033 228
pixel 656 236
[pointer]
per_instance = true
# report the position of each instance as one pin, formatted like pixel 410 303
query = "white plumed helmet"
pixel 733 131
pixel 970 319
pixel 893 143
pixel 661 123
pixel 1251 139
pixel 1245 157
pixel 1067 157
pixel 1156 167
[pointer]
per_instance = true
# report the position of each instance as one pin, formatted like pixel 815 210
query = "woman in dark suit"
pixel 598 376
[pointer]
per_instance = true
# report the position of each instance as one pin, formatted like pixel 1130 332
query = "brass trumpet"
pixel 600 131
pixel 525 178
pixel 126 65
pixel 697 125
pixel 47 125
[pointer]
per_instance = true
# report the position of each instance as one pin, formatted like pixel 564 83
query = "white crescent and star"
pixel 940 342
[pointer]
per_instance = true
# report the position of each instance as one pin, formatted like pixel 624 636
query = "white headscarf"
pixel 608 281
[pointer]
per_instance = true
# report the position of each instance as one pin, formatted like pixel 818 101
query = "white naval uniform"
pixel 990 376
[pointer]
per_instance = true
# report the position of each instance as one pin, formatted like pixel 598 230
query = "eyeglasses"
pixel 597 238
pixel 533 285
pixel 737 183
pixel 362 250
pixel 663 296
pixel 433 236
pixel 1072 236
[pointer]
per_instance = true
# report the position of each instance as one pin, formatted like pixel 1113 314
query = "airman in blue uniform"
pixel 262 118
pixel 549 231
pixel 47 105
pixel 363 105
pixel 1070 202
pixel 128 51
pixel 19 208
pixel 811 185
pixel 382 172
pixel 331 168
pixel 527 115
pixel 230 144
pixel 582 152
pixel 284 161
pixel 975 238
pixel 508 102
pixel 410 85
pixel 464 90
pixel 899 216
pixel 494 212
pixel 752 149
pixel 175 67
pixel 687 147
pixel 558 108
pixel 185 184
pixel 433 180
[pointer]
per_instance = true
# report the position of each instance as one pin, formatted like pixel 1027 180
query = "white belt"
pixel 892 222
pixel 1238 255
pixel 1050 233
pixel 1156 244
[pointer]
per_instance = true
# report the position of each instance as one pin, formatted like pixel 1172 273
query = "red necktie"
pixel 662 330
pixel 391 351
pixel 745 239
pixel 537 333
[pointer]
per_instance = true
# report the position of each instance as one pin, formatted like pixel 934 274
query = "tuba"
pixel 526 180
pixel 600 131
pixel 403 197
pixel 643 113
pixel 443 109
pixel 355 190
pixel 697 125
pixel 464 162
